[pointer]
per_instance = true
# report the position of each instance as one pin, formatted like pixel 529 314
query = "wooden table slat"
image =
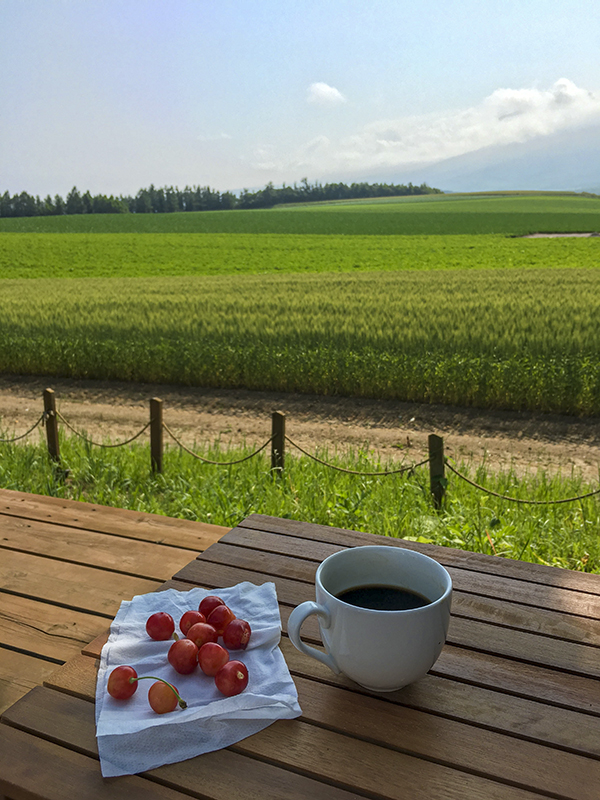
pixel 50 631
pixel 194 535
pixel 32 767
pixel 69 585
pixel 115 553
pixel 375 770
pixel 492 565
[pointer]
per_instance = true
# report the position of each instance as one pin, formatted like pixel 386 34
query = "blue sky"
pixel 113 95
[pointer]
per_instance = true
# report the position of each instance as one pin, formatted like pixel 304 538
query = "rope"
pixel 98 444
pixel 23 435
pixel 208 460
pixel 517 499
pixel 409 468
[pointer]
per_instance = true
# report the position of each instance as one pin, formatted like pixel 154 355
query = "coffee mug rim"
pixel 359 609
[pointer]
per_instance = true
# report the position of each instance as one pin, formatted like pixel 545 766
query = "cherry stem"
pixel 180 700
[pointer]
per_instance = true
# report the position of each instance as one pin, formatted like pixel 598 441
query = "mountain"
pixel 567 161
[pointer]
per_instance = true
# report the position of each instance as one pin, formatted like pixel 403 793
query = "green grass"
pixel 80 255
pixel 509 214
pixel 519 339
pixel 560 535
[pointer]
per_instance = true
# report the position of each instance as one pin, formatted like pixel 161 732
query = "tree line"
pixel 197 198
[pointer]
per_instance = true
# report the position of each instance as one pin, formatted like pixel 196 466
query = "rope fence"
pixel 23 435
pixel 436 459
pixel 208 460
pixel 408 468
pixel 519 499
pixel 102 444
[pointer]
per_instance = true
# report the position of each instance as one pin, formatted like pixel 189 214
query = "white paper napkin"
pixel 132 738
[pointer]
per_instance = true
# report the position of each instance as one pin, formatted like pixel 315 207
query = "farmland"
pixel 519 338
pixel 127 255
pixel 512 215
pixel 488 320
pixel 363 300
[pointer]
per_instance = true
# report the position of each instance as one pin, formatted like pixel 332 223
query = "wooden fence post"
pixel 156 434
pixel 51 422
pixel 437 480
pixel 278 441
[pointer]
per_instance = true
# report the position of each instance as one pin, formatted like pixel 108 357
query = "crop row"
pixel 137 255
pixel 521 338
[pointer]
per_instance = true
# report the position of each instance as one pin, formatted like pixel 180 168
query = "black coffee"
pixel 383 598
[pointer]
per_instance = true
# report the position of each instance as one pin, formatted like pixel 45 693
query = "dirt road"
pixel 395 430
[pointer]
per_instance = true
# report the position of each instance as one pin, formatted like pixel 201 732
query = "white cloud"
pixel 323 95
pixel 504 117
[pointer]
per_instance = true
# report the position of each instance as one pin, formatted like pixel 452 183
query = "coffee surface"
pixel 383 598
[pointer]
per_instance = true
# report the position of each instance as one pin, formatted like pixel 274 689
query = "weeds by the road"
pixel 565 535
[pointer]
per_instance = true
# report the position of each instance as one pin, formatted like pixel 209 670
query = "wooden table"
pixel 65 567
pixel 510 711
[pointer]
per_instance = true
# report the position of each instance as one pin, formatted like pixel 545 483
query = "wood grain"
pixel 188 534
pixel 69 585
pixel 33 767
pixel 114 553
pixel 222 775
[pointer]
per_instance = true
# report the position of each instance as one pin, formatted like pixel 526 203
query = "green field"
pixel 508 214
pixel 488 320
pixel 81 255
pixel 518 338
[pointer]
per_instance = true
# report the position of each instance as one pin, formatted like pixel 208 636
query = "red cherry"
pixel 232 678
pixel 237 634
pixel 122 683
pixel 183 656
pixel 162 698
pixel 160 626
pixel 219 618
pixel 202 632
pixel 210 602
pixel 190 618
pixel 211 658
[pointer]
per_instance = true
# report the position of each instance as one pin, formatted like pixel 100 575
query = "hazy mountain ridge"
pixel 567 161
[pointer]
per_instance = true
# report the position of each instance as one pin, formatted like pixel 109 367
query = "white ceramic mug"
pixel 381 650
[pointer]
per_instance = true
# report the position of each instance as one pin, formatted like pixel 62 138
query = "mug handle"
pixel 296 618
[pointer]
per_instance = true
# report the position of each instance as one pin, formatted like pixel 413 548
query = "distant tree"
pixel 5 205
pixel 87 201
pixel 48 206
pixel 143 202
pixel 24 205
pixel 74 203
pixel 171 200
pixel 228 200
pixel 158 200
pixel 108 205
